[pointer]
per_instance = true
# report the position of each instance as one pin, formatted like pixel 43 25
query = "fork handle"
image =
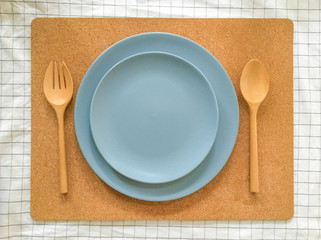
pixel 62 151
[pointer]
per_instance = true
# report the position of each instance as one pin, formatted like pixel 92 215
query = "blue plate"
pixel 228 115
pixel 154 117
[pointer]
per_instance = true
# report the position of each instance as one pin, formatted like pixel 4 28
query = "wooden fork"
pixel 58 88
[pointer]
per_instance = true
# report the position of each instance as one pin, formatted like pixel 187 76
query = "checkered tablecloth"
pixel 15 20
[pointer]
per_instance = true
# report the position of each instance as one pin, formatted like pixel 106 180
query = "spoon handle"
pixel 254 174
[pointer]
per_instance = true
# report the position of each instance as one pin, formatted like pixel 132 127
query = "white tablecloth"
pixel 15 220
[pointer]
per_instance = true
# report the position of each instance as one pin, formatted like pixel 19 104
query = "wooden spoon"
pixel 58 89
pixel 254 87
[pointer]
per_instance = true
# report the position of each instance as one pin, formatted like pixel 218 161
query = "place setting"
pixel 152 123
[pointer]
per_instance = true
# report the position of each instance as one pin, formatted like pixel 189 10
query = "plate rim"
pixel 153 196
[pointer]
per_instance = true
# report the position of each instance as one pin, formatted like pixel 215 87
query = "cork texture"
pixel 233 42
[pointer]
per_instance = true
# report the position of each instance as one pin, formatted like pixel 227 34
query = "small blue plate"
pixel 228 115
pixel 154 117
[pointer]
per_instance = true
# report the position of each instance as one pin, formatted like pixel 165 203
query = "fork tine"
pixel 56 77
pixel 67 76
pixel 48 80
pixel 62 80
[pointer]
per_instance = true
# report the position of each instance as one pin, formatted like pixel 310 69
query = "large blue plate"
pixel 154 117
pixel 228 115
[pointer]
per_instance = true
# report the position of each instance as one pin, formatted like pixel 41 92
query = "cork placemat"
pixel 233 42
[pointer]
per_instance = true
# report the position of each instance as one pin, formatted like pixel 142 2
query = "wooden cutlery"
pixel 254 87
pixel 58 88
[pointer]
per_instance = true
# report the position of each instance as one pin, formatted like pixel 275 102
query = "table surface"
pixel 15 220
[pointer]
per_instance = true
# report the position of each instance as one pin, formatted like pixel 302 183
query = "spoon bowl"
pixel 254 82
